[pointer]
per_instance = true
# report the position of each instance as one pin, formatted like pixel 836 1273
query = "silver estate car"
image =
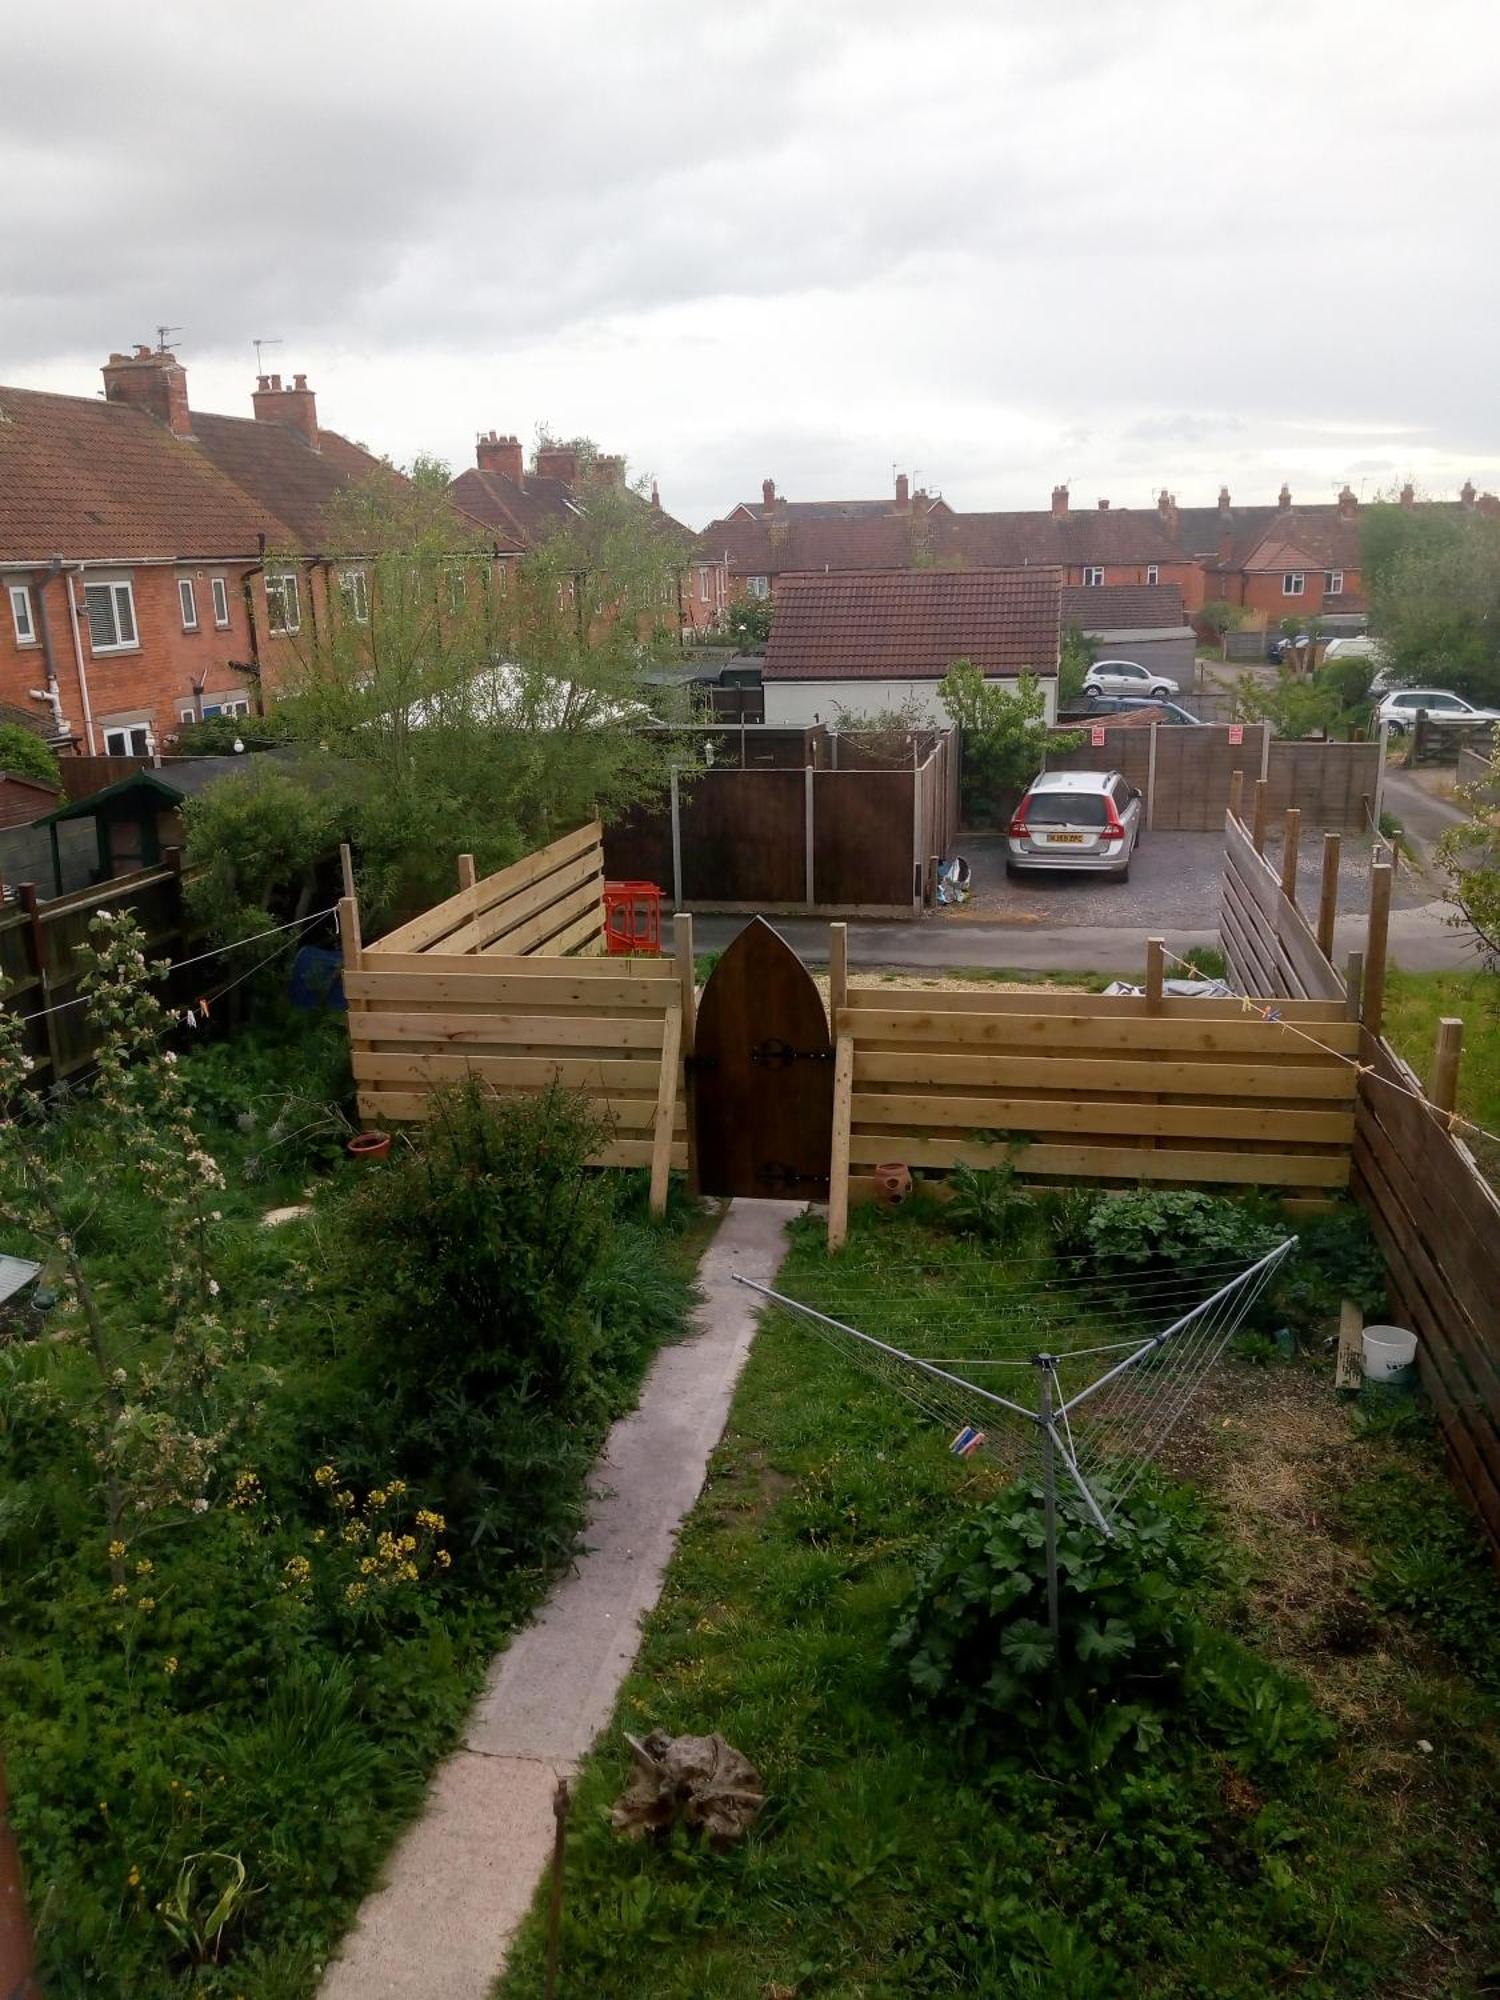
pixel 1075 819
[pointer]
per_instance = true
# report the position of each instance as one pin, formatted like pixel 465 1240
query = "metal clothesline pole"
pixel 1049 1490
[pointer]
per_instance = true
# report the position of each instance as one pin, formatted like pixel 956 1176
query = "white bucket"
pixel 1389 1353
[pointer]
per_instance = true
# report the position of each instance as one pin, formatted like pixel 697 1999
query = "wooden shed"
pixel 136 820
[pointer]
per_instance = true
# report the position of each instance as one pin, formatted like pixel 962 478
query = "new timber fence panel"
pixel 1327 782
pixel 1270 943
pixel 530 907
pixel 863 850
pixel 1197 1093
pixel 1437 1220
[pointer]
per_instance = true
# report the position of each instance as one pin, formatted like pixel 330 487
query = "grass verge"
pixel 896 1858
pixel 1414 1004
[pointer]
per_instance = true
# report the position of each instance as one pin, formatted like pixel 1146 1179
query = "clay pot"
pixel 370 1145
pixel 892 1183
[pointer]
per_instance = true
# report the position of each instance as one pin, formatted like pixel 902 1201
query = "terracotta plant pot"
pixel 892 1183
pixel 370 1145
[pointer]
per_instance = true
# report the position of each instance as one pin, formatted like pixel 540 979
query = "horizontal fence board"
pixel 1333 1082
pixel 1180 1121
pixel 474 1030
pixel 1239 1035
pixel 612 1075
pixel 499 991
pixel 1112 1006
pixel 436 925
pixel 1240 1167
pixel 663 971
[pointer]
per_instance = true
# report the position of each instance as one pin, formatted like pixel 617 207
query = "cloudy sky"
pixel 1002 243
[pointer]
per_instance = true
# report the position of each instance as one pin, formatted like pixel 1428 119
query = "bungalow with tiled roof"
pixel 870 641
pixel 134 533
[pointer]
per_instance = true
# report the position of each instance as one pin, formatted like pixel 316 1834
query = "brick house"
pixel 157 562
pixel 863 642
pixel 528 506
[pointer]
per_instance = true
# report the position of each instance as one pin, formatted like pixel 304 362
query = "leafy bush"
pixel 973 1645
pixel 1005 737
pixel 985 1203
pixel 27 756
pixel 1176 1231
pixel 228 735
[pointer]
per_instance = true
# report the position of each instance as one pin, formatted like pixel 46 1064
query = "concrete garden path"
pixel 464 1875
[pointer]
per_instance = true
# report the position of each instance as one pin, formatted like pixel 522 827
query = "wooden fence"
pixel 1272 948
pixel 860 834
pixel 39 957
pixel 1185 774
pixel 1099 1087
pixel 484 985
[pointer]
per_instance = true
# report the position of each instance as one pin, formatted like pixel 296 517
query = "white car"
pixel 1401 707
pixel 1127 677
pixel 1075 819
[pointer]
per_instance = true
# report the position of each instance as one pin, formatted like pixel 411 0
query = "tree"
pixel 1433 584
pixel 25 755
pixel 1219 618
pixel 1073 663
pixel 749 619
pixel 1294 705
pixel 1470 857
pixel 1005 736
pixel 448 705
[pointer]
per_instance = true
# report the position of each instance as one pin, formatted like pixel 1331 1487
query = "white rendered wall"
pixel 797 704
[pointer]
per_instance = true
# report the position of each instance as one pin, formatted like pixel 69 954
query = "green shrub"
pixel 1172 1231
pixel 27 756
pixel 986 1204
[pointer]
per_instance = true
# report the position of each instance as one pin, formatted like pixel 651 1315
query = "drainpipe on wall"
pixel 52 693
pixel 83 676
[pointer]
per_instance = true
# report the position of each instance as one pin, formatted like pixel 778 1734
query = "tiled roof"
pixel 913 624
pixel 278 467
pixel 840 510
pixel 1201 530
pixel 1122 607
pixel 1311 538
pixel 80 477
pixel 1098 535
pixel 816 542
pixel 529 512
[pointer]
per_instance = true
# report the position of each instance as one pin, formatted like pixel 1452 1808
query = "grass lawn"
pixel 896 1858
pixel 1414 1004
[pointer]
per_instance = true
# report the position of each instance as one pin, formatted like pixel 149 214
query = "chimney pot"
pixel 1466 493
pixel 1059 502
pixel 903 492
pixel 502 455
pixel 1284 497
pixel 1223 499
pixel 1103 506
pixel 557 461
pixel 153 381
pixel 1408 495
pixel 655 494
pixel 768 494
pixel 1348 504
pixel 295 407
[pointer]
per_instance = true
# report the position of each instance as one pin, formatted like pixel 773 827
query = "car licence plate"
pixel 1065 839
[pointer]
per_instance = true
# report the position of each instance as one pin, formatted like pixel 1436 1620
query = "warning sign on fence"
pixel 1236 734
pixel 1096 736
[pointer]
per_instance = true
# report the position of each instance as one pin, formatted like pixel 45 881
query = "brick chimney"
pixel 1223 499
pixel 1408 496
pixel 296 407
pixel 1103 506
pixel 768 494
pixel 1166 509
pixel 1226 547
pixel 557 461
pixel 609 469
pixel 1466 493
pixel 1348 505
pixel 501 454
pixel 1059 503
pixel 655 495
pixel 1284 497
pixel 903 493
pixel 154 381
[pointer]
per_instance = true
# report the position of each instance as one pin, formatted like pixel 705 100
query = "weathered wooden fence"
pixel 1273 948
pixel 489 985
pixel 39 957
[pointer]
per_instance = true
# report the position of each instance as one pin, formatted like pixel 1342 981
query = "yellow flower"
pixel 134 1878
pixel 407 1544
pixel 377 1496
pixel 116 1550
pixel 409 1571
pixel 355 1592
pixel 325 1475
pixel 434 1523
pixel 104 1805
pixel 148 1604
pixel 169 1665
pixel 118 1592
pixel 442 1559
pixel 143 1567
pixel 396 1486
pixel 344 1499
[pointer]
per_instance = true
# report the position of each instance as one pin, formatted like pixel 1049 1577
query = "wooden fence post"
pixel 346 867
pixel 1445 1058
pixel 676 843
pixel 1354 984
pixel 1258 816
pixel 666 1111
pixel 466 875
pixel 1373 1009
pixel 807 834
pixel 36 935
pixel 1151 778
pixel 1328 893
pixel 1155 973
pixel 838 973
pixel 1237 794
pixel 838 1164
pixel 1290 838
pixel 16 1950
pixel 687 1002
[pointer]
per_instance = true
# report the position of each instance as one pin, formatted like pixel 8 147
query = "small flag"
pixel 968 1440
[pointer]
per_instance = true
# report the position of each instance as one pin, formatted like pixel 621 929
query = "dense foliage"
pixel 1432 577
pixel 269 1498
pixel 25 755
pixel 1005 737
pixel 1331 701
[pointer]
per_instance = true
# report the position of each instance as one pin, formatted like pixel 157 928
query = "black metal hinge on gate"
pixel 777 1174
pixel 773 1053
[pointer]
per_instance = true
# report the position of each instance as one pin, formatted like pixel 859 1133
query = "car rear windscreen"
pixel 1066 809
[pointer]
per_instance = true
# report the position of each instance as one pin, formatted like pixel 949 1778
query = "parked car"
pixel 1278 648
pixel 1095 703
pixel 1087 820
pixel 1401 707
pixel 1127 677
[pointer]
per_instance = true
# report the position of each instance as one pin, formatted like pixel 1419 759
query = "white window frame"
pixel 1093 576
pixel 122 732
pixel 215 704
pixel 354 588
pixel 759 587
pixel 1293 583
pixel 283 596
pixel 1153 573
pixel 120 592
pixel 219 586
pixel 458 587
pixel 23 615
pixel 187 603
pixel 1335 583
pixel 705 584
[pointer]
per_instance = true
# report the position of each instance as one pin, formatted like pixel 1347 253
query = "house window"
pixel 458 587
pixel 1153 573
pixel 1093 577
pixel 221 602
pixel 128 739
pixel 1293 583
pixel 22 615
pixel 110 608
pixel 188 598
pixel 1335 583
pixel 283 602
pixel 356 594
pixel 216 704
pixel 760 586
pixel 705 585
